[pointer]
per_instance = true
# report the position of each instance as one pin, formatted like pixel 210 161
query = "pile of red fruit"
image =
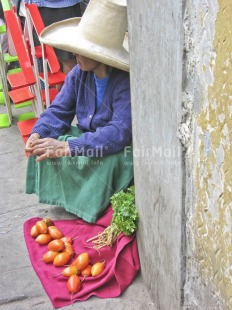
pixel 61 251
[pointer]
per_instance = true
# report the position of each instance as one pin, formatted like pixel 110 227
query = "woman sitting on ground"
pixel 80 168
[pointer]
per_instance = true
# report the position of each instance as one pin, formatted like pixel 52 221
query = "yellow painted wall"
pixel 212 222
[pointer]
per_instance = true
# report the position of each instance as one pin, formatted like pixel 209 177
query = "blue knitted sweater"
pixel 53 3
pixel 107 130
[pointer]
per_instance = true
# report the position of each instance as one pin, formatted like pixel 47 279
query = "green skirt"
pixel 82 185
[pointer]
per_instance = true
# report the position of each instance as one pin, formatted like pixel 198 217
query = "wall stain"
pixel 213 218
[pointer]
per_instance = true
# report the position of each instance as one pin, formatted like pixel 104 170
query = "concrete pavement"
pixel 20 288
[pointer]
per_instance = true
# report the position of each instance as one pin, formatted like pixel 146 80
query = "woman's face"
pixel 87 64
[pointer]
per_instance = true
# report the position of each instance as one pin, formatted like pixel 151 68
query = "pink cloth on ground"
pixel 121 266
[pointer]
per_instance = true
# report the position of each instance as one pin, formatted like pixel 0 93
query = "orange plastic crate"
pixel 52 94
pixel 54 78
pixel 25 127
pixel 21 95
pixel 17 80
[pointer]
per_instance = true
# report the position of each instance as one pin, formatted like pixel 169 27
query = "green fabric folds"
pixel 82 185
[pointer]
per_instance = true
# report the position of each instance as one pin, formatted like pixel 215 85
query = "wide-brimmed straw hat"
pixel 99 34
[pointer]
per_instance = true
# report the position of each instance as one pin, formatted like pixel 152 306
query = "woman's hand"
pixel 49 148
pixel 33 137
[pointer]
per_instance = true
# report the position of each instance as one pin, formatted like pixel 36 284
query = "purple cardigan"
pixel 105 131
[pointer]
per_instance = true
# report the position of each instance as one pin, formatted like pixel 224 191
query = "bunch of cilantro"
pixel 125 215
pixel 124 220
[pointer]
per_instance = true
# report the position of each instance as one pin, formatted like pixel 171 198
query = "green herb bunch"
pixel 124 220
pixel 125 215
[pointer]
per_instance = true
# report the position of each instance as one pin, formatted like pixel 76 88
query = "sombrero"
pixel 100 34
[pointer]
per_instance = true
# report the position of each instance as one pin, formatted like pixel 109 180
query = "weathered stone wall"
pixel 156 77
pixel 208 39
pixel 181 72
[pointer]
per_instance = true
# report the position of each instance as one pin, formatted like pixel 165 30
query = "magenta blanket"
pixel 122 261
